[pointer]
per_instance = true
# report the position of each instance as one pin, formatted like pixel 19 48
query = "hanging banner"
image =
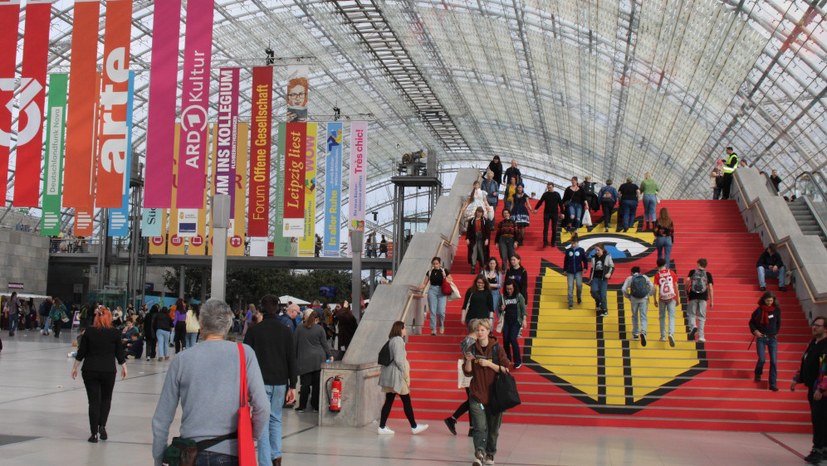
pixel 225 158
pixel 358 163
pixel 53 176
pixel 281 243
pixel 175 242
pixel 119 217
pixel 163 83
pixel 80 119
pixel 307 242
pixel 258 214
pixel 158 243
pixel 83 223
pixel 333 190
pixel 9 19
pixel 113 158
pixel 297 93
pixel 294 176
pixel 195 104
pixel 31 100
pixel 151 222
pixel 235 234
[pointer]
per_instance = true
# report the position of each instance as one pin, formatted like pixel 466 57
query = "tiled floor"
pixel 43 422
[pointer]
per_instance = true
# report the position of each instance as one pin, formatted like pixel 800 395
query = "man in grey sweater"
pixel 205 379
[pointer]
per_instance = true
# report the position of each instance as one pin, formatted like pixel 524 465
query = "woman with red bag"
pixel 207 381
pixel 437 298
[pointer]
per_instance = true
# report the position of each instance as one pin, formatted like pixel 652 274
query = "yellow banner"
pixel 197 246
pixel 235 236
pixel 175 243
pixel 307 243
pixel 158 244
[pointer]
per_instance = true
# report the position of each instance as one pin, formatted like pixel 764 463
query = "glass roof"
pixel 610 89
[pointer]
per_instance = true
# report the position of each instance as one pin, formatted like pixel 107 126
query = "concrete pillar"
pixel 221 221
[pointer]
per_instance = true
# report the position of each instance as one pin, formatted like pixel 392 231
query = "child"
pixel 135 348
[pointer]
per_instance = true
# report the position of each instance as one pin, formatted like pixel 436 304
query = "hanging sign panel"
pixel 259 197
pixel 9 19
pixel 294 176
pixel 119 216
pixel 333 190
pixel 227 124
pixel 53 176
pixel 358 179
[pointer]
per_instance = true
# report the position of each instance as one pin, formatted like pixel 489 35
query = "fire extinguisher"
pixel 334 393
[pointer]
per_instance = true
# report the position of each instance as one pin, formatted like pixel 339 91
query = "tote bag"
pixel 246 445
pixel 504 395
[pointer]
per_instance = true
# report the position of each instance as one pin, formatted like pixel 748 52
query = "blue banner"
pixel 119 217
pixel 151 222
pixel 333 190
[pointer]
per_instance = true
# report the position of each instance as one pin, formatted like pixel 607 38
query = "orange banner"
pixel 158 244
pixel 112 150
pixel 175 243
pixel 197 245
pixel 80 120
pixel 235 236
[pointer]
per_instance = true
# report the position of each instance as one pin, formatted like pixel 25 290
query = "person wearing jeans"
pixel 666 281
pixel 574 262
pixel 608 199
pixel 811 375
pixel 513 309
pixel 649 188
pixel 771 265
pixel 602 268
pixel 640 305
pixel 765 323
pixel 12 310
pixel 629 194
pixel 162 323
pixel 436 298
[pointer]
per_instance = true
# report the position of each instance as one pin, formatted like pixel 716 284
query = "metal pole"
pixel 356 237
pixel 182 281
pixel 220 221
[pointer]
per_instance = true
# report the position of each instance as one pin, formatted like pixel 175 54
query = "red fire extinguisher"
pixel 334 393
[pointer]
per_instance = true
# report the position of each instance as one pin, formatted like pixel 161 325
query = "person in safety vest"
pixel 730 165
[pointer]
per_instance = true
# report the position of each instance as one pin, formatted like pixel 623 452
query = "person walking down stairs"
pixel 765 323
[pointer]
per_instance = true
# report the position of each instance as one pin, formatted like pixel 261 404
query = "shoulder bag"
pixel 504 395
pixel 246 444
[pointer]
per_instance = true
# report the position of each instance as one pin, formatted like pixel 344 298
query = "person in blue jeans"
pixel 513 315
pixel 436 298
pixel 638 296
pixel 12 309
pixel 664 236
pixel 629 194
pixel 765 323
pixel 163 330
pixel 574 263
pixel 602 268
pixel 770 265
pixel 649 188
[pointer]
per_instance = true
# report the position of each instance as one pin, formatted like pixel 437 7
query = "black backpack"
pixel 699 281
pixel 385 358
pixel 639 287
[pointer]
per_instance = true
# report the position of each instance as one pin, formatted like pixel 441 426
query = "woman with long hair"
pixel 162 324
pixel 494 277
pixel 519 211
pixel 99 348
pixel 765 323
pixel 664 235
pixel 519 274
pixel 477 235
pixel 395 379
pixel 179 324
pixel 602 268
pixel 510 190
pixel 476 199
pixel 311 351
pixel 56 314
pixel 478 302
pixel 513 316
pixel 649 188
pixel 192 325
pixel 436 299
pixel 346 325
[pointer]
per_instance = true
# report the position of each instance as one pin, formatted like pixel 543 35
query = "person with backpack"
pixel 574 263
pixel 811 374
pixel 608 199
pixel 699 299
pixel 667 299
pixel 765 323
pixel 602 268
pixel 395 379
pixel 637 288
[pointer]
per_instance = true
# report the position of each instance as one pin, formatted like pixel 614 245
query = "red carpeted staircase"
pixel 581 370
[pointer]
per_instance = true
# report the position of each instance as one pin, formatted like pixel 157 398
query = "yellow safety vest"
pixel 731 164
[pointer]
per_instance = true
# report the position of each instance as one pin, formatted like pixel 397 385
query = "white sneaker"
pixel 419 428
pixel 384 431
pixel 702 340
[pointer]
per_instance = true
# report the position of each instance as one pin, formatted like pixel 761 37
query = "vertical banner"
pixel 151 222
pixel 225 157
pixel 294 176
pixel 358 163
pixel 157 243
pixel 197 243
pixel 55 127
pixel 80 123
pixel 195 104
pixel 119 217
pixel 307 242
pixel 84 219
pixel 258 214
pixel 333 190
pixel 235 235
pixel 281 243
pixel 163 83
pixel 175 242
pixel 85 214
pixel 31 100
pixel 113 142
pixel 297 93
pixel 9 19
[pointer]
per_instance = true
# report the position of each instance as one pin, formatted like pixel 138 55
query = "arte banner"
pixel 163 83
pixel 157 243
pixel 151 222
pixel 195 104
pixel 9 19
pixel 307 242
pixel 294 176
pixel 53 176
pixel 119 217
pixel 80 120
pixel 358 163
pixel 235 234
pixel 258 214
pixel 333 190
pixel 225 158
pixel 31 100
pixel 281 243
pixel 297 93
pixel 113 149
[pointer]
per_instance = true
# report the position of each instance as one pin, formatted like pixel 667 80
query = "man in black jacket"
pixel 514 172
pixel 770 265
pixel 553 208
pixel 811 374
pixel 276 355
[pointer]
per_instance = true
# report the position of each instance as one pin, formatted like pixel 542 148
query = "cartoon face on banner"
pixel 595 359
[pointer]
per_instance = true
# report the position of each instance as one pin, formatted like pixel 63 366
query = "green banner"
pixel 55 132
pixel 281 243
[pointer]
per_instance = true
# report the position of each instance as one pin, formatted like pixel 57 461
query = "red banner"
pixel 294 173
pixel 31 99
pixel 112 141
pixel 9 19
pixel 258 213
pixel 80 118
pixel 163 83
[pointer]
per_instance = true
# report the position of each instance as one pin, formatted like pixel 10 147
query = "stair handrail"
pixel 821 225
pixel 813 183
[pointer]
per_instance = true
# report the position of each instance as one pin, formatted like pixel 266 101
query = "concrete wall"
pixel 768 215
pixel 24 258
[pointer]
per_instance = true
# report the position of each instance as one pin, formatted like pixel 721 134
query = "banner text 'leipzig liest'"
pixel 260 127
pixel 294 176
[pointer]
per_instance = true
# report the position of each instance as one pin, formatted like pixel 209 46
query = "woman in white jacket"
pixel 193 327
pixel 395 379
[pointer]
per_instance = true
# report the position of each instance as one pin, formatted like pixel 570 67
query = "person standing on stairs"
pixel 574 199
pixel 513 310
pixel 649 188
pixel 514 172
pixel 770 265
pixel 629 195
pixel 699 299
pixel 608 199
pixel 478 302
pixel 553 208
pixel 491 187
pixel 776 181
pixel 519 274
pixel 602 268
pixel 520 211
pixel 436 298
pixel 664 236
pixel 811 373
pixel 494 277
pixel 667 282
pixel 506 238
pixel 395 379
pixel 496 167
pixel 729 167
pixel 477 235
pixel 574 263
pixel 637 288
pixel 765 323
